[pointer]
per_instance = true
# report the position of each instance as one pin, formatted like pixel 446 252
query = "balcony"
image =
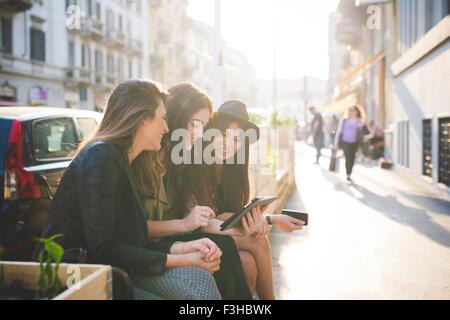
pixel 155 3
pixel 135 47
pixel 15 6
pixel 156 60
pixel 110 38
pixel 120 40
pixel 164 36
pixel 100 79
pixel 90 27
pixel 348 33
pixel 75 76
pixel 111 80
pixel 115 39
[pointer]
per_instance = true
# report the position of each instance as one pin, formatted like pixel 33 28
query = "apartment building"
pixel 70 53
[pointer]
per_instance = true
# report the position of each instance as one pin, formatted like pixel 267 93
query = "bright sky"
pixel 301 33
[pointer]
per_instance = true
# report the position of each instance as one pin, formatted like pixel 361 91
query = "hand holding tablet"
pixel 236 220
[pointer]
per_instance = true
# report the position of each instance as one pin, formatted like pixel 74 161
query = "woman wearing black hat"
pixel 225 187
pixel 189 110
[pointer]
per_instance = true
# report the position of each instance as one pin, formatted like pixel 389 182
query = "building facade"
pixel 71 53
pixel 31 65
pixel 166 25
pixel 198 58
pixel 421 73
pixel 398 71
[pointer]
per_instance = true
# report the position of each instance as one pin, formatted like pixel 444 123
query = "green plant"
pixel 255 118
pixel 49 282
pixel 278 121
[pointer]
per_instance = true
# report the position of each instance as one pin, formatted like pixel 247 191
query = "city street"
pixel 384 237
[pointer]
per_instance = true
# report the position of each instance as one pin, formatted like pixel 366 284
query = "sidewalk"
pixel 385 237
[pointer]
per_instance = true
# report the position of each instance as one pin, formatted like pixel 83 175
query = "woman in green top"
pixel 189 109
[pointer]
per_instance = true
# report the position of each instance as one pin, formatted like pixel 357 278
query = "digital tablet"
pixel 235 220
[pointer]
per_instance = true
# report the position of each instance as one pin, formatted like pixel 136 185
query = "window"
pixel 427 162
pixel 444 151
pixel 85 6
pixel 86 127
pixel 54 138
pixel 71 53
pixel 70 3
pixel 5 125
pixel 83 94
pixel 120 23
pixel 403 143
pixel 6 39
pixel 85 57
pixel 120 70
pixel 138 6
pixel 110 64
pixel 37 45
pixel 98 61
pixel 98 11
pixel 130 70
pixel 110 19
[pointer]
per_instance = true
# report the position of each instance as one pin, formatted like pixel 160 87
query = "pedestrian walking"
pixel 349 135
pixel 317 132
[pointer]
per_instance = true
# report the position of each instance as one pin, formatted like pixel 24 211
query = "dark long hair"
pixel 185 99
pixel 229 194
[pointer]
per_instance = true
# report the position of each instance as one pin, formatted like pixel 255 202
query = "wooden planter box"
pixel 95 280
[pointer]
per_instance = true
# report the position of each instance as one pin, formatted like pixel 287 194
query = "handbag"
pixel 334 163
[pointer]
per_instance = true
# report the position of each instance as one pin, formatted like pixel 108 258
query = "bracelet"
pixel 269 220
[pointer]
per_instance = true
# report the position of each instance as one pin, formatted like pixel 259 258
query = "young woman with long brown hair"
pixel 189 110
pixel 97 206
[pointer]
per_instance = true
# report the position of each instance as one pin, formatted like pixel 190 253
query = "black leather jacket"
pixel 97 207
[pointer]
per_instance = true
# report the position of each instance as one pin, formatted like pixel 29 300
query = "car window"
pixel 5 125
pixel 54 138
pixel 86 127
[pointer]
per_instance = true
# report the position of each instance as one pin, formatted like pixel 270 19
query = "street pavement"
pixel 387 236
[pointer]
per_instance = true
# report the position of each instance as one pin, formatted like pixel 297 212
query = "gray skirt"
pixel 186 283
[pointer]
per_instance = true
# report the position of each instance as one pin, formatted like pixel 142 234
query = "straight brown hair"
pixel 129 105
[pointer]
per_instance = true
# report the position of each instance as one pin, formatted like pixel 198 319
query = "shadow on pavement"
pixel 394 210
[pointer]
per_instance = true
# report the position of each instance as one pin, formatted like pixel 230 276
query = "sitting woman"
pixel 189 109
pixel 224 186
pixel 97 206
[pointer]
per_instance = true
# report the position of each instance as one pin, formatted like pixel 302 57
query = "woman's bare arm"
pixel 214 228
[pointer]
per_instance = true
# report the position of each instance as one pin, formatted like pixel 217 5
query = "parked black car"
pixel 36 146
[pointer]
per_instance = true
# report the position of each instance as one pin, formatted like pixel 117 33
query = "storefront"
pixel 37 96
pixel 8 94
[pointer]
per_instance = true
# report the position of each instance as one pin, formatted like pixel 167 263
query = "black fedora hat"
pixel 237 111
